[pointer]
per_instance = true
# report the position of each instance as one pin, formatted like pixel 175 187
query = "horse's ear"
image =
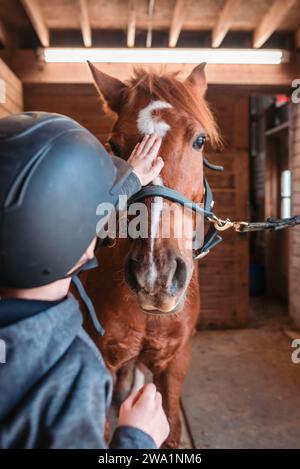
pixel 198 77
pixel 109 88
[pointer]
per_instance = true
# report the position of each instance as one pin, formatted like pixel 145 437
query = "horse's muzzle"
pixel 160 283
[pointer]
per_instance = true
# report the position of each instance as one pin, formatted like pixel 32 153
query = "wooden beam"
pixel 34 13
pixel 150 19
pixel 271 20
pixel 224 22
pixel 131 23
pixel 31 70
pixel 85 24
pixel 177 21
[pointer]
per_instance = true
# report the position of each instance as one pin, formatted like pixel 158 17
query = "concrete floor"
pixel 242 390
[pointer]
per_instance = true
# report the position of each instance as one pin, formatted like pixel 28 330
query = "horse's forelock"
pixel 181 95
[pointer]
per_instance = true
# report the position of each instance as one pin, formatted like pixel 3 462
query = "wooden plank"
pixel 296 198
pixel 14 96
pixel 11 105
pixel 13 91
pixel 7 74
pixel 85 24
pixel 131 23
pixel 271 20
pixel 296 148
pixel 224 22
pixel 296 165
pixel 3 111
pixel 30 70
pixel 34 13
pixel 177 21
pixel 241 213
pixel 150 20
pixel 226 268
pixel 296 172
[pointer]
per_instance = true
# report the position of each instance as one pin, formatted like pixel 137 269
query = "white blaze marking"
pixel 149 124
pixel 155 218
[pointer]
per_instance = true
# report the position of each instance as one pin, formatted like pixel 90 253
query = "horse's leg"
pixel 169 383
pixel 124 381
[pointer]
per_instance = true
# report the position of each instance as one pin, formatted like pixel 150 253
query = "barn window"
pixel 286 193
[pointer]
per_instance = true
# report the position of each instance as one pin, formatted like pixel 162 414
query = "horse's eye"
pixel 199 142
pixel 114 148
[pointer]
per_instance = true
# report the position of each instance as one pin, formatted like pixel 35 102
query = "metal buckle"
pixel 201 255
pixel 219 224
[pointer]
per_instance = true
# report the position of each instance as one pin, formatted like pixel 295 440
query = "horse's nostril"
pixel 130 274
pixel 179 276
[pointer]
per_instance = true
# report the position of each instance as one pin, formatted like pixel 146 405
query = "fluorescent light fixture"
pixel 177 55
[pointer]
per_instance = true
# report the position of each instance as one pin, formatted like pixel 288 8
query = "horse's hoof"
pixel 171 444
pixel 120 395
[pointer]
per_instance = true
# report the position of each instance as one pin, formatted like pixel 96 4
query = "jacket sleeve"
pixel 131 438
pixel 78 410
pixel 127 181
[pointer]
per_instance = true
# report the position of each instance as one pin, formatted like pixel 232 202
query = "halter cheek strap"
pixel 212 237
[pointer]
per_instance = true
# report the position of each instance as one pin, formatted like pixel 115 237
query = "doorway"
pixel 270 194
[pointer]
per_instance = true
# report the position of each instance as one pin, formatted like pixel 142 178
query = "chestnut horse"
pixel 146 292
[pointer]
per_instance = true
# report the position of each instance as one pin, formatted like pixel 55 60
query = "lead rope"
pixel 244 227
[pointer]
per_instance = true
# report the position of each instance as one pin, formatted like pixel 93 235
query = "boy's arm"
pixel 131 183
pixel 126 437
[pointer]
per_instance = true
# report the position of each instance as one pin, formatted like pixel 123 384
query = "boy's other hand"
pixel 145 160
pixel 143 410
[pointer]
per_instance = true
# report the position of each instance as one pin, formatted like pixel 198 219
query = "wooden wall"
pixel 77 101
pixel 294 264
pixel 224 272
pixel 13 91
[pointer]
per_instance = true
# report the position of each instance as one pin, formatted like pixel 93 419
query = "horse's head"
pixel 159 268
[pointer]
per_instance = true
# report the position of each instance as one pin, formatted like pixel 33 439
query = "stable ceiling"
pixel 33 23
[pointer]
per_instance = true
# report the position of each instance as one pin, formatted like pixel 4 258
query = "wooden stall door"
pixel 294 258
pixel 277 243
pixel 224 272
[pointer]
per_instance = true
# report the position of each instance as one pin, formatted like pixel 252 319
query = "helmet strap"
pixel 84 296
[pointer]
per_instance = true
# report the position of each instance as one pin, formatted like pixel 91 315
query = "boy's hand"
pixel 144 410
pixel 144 160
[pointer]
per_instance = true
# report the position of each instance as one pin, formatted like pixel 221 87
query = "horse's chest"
pixel 160 345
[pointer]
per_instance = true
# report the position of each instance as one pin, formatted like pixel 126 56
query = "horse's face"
pixel 159 268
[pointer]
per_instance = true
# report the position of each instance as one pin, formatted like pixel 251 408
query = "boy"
pixel 54 388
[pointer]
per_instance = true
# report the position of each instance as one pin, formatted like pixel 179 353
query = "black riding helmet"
pixel 53 175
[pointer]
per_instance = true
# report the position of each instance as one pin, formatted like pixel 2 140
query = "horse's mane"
pixel 181 95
